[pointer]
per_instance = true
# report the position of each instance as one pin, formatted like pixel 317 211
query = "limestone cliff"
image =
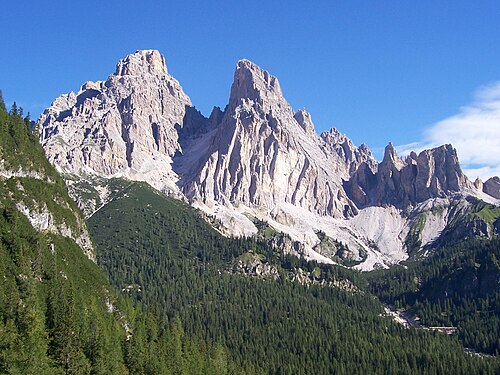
pixel 126 125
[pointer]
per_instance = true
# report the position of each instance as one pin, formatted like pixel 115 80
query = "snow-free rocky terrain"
pixel 258 159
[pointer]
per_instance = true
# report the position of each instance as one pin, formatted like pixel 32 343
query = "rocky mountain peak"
pixel 142 62
pixel 391 157
pixel 253 83
pixel 351 155
pixel 478 184
pixel 433 173
pixel 332 136
pixel 127 125
pixel 256 158
pixel 304 119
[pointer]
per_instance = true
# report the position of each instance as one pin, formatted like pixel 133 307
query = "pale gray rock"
pixel 263 154
pixel 492 187
pixel 126 125
pixel 478 184
pixel 258 152
pixel 351 155
pixel 305 121
pixel 401 183
pixel 256 158
pixel 43 221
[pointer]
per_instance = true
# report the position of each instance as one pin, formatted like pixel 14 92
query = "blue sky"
pixel 379 71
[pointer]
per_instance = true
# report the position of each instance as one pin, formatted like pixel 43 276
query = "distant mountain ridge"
pixel 257 159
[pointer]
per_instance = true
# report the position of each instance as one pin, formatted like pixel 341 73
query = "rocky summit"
pixel 124 126
pixel 433 173
pixel 257 159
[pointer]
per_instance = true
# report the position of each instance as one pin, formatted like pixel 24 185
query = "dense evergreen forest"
pixel 58 313
pixel 163 255
pixel 457 286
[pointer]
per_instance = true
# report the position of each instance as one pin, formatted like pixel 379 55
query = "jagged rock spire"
pixel 304 119
pixel 492 187
pixel 253 83
pixel 433 173
pixel 391 157
pixel 258 154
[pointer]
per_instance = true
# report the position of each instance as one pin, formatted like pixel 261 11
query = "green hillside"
pixel 164 255
pixel 177 297
pixel 458 286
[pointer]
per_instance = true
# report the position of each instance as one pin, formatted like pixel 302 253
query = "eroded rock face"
pixel 492 187
pixel 263 153
pixel 478 184
pixel 351 155
pixel 431 174
pixel 125 125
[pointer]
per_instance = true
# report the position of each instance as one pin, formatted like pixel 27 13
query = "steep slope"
pixel 492 187
pixel 58 313
pixel 434 173
pixel 52 290
pixel 263 154
pixel 457 287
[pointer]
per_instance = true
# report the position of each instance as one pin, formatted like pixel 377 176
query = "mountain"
pixel 433 173
pixel 51 287
pixel 126 126
pixel 277 313
pixel 257 159
pixel 264 155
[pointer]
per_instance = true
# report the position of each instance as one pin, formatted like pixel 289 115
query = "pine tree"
pixel 2 102
pixel 174 347
pixel 13 109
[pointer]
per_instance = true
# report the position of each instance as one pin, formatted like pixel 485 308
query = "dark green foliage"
pixel 457 286
pixel 49 291
pixel 336 250
pixel 19 147
pixel 485 211
pixel 2 103
pixel 162 253
pixel 58 314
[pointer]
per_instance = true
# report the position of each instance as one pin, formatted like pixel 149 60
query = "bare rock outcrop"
pixel 263 153
pixel 433 173
pixel 123 126
pixel 256 158
pixel 492 187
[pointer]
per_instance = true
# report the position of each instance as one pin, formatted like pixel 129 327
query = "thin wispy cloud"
pixel 474 131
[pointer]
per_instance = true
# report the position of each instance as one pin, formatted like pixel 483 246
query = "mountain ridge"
pixel 256 159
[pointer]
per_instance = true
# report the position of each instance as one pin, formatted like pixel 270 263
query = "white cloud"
pixel 474 131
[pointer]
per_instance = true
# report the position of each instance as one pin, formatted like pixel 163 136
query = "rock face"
pixel 263 153
pixel 256 159
pixel 492 187
pixel 433 173
pixel 126 125
pixel 349 154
